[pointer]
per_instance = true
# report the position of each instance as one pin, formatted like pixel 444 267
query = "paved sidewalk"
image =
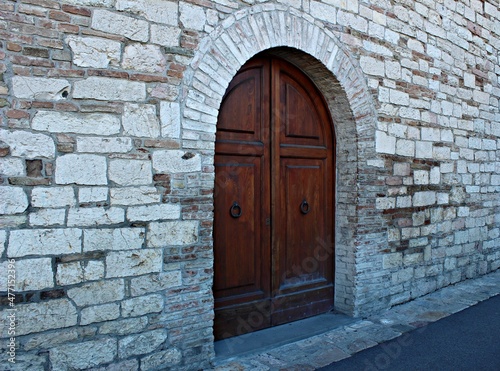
pixel 344 341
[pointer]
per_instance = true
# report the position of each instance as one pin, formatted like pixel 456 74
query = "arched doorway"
pixel 274 200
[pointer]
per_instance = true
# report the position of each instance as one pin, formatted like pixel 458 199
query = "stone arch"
pixel 300 39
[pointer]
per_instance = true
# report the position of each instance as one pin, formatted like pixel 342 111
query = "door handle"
pixel 235 210
pixel 304 207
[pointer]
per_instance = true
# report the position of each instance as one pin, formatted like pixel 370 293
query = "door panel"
pixel 273 200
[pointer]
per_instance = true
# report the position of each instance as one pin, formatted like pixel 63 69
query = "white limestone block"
pixel 99 313
pixel 104 145
pixel 165 35
pixel 134 196
pixel 170 115
pixel 52 196
pixel 144 58
pixel 153 212
pixel 95 216
pixel 424 198
pixel 142 305
pixel 130 172
pixel 176 233
pixel 92 194
pixel 79 271
pixel 155 282
pixel 28 145
pixel 384 143
pixel 157 11
pixel 108 89
pixel 133 262
pixel 192 17
pixel 47 217
pixel 79 123
pixel 10 166
pixel 110 22
pixel 83 355
pixel 14 200
pixel 34 274
pixel 99 292
pixel 113 239
pixel 42 316
pixel 82 169
pixel 140 120
pixel 44 242
pixel 39 88
pixel 143 343
pixel 176 161
pixel 94 52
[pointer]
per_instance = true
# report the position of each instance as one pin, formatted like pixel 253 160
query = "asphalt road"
pixel 466 341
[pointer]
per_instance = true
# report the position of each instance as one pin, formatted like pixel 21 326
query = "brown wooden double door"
pixel 274 169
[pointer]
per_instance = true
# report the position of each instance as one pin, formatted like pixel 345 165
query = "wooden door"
pixel 274 161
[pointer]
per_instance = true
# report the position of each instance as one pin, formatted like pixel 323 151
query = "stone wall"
pixel 108 122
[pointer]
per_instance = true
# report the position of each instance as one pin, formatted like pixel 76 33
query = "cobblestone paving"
pixel 337 344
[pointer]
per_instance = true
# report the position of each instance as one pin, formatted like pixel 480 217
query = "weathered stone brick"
pixel 94 52
pixel 124 326
pixel 176 161
pixel 153 212
pixel 95 216
pixel 155 282
pixel 192 16
pixel 104 145
pixel 83 355
pixel 163 359
pixel 177 233
pixel 14 200
pixel 156 11
pixel 142 305
pixel 170 119
pixel 145 58
pixel 47 217
pixel 82 169
pixel 99 313
pixel 28 145
pixel 44 242
pixel 38 317
pixel 165 35
pixel 140 120
pixel 52 197
pixel 133 262
pixel 97 292
pixel 130 172
pixel 66 122
pixel 113 239
pixel 132 28
pixel 142 343
pixel 79 271
pixel 34 274
pixel 135 196
pixel 39 88
pixel 104 88
pixel 92 194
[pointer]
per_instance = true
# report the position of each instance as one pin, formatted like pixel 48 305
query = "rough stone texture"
pixel 134 196
pixel 176 233
pixel 141 344
pixel 170 119
pixel 38 317
pixel 175 161
pixel 52 197
pixel 133 262
pixel 76 272
pixel 142 305
pixel 83 355
pixel 39 88
pixel 92 194
pixel 103 145
pixel 28 145
pixel 66 122
pixel 140 120
pixel 130 172
pixel 145 58
pixel 14 200
pixel 162 360
pixel 44 242
pixel 97 292
pixel 83 169
pixel 113 239
pixel 99 313
pixel 95 216
pixel 106 21
pixel 156 11
pixel 12 167
pixel 34 274
pixel 103 88
pixel 153 212
pixel 155 282
pixel 47 217
pixel 94 52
